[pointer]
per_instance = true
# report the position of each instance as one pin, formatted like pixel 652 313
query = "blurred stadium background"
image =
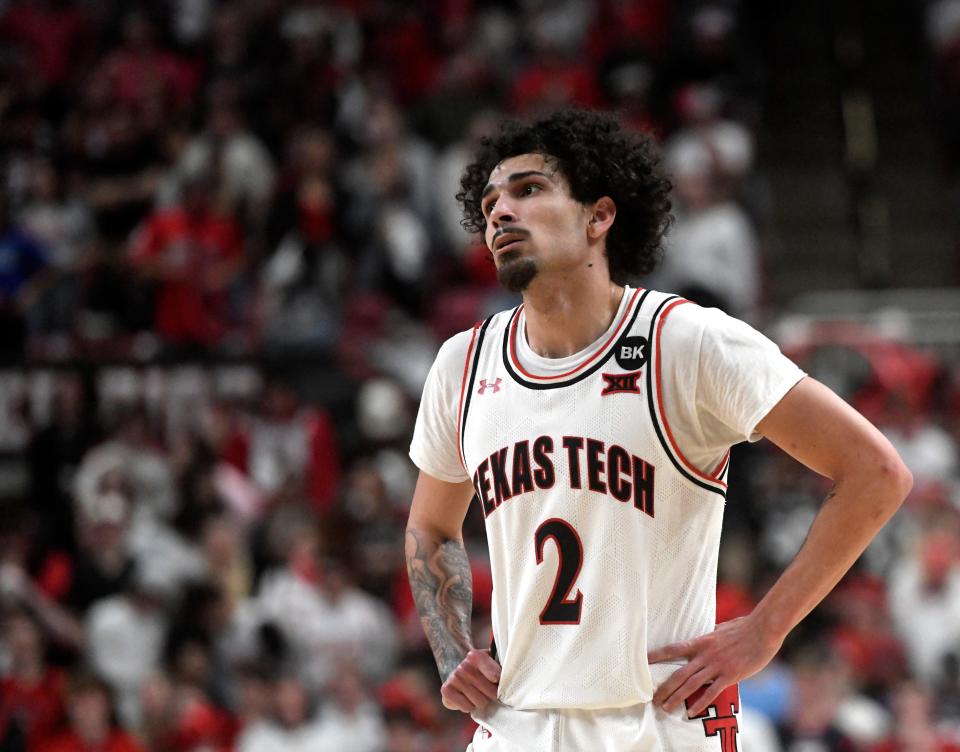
pixel 229 250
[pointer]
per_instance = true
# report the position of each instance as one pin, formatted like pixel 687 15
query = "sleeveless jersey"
pixel 603 539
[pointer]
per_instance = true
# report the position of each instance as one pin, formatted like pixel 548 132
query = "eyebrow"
pixel 513 178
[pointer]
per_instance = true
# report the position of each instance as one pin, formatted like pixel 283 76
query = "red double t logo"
pixel 723 721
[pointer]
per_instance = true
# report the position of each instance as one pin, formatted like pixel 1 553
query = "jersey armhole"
pixel 466 386
pixel 715 479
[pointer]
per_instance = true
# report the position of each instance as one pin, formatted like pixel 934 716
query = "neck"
pixel 563 319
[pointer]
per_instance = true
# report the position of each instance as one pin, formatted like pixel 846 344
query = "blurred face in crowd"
pixel 313 151
pixel 334 579
pixel 279 401
pixel 695 189
pixel 137 31
pixel 253 696
pixel 291 702
pixel 24 642
pixel 69 398
pixel 938 557
pixel 45 180
pixel 347 688
pixel 534 225
pixel 820 682
pixel 156 697
pixel 303 555
pixel 197 194
pixel 89 711
pixel 403 736
pixel 224 120
pixel 912 706
pixel 221 542
pixel 192 664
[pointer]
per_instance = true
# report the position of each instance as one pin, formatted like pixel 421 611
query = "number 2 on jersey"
pixel 560 608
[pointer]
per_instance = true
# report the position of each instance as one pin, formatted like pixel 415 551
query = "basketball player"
pixel 593 423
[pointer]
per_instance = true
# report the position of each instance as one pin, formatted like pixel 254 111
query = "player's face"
pixel 534 225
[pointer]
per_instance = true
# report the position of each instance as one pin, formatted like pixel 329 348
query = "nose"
pixel 502 213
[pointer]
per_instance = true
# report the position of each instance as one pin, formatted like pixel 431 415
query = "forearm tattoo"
pixel 443 591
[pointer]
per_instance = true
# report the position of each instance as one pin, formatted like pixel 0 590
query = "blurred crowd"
pixel 942 21
pixel 196 181
pixel 199 176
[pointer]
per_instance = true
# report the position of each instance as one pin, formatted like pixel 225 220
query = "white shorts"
pixel 640 728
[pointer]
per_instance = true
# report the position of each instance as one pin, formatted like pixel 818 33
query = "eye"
pixel 530 188
pixel 488 207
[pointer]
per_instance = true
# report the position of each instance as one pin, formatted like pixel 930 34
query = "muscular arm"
pixel 870 483
pixel 442 588
pixel 820 430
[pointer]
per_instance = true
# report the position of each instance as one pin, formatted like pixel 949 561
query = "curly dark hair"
pixel 598 158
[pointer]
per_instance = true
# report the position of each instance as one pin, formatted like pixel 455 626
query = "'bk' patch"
pixel 631 353
pixel 621 383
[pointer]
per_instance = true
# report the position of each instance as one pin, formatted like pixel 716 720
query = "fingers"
pixel 675 681
pixel 455 700
pixel 683 649
pixel 696 680
pixel 480 682
pixel 488 667
pixel 709 696
pixel 473 684
pixel 475 696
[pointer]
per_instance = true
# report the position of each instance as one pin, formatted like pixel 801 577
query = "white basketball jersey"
pixel 603 538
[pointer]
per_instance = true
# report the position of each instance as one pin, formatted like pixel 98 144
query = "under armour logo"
pixel 484 386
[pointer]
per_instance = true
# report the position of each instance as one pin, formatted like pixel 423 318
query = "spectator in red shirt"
pixel 31 704
pixel 193 255
pixel 56 35
pixel 91 728
pixel 178 716
pixel 140 65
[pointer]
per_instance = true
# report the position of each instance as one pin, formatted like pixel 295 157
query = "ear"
pixel 601 218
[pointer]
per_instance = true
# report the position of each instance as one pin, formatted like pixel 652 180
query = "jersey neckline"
pixel 538 372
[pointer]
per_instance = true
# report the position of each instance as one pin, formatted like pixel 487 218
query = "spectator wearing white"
pixel 147 473
pixel 125 635
pixel 925 602
pixel 927 449
pixel 349 720
pixel 325 618
pixel 291 727
pixel 246 170
pixel 712 253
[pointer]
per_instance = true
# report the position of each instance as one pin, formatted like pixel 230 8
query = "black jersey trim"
pixel 473 374
pixel 652 364
pixel 580 376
